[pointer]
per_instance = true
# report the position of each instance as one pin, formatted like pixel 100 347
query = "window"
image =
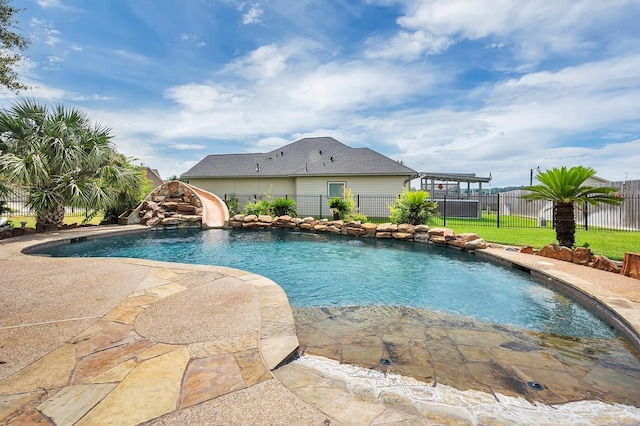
pixel 335 189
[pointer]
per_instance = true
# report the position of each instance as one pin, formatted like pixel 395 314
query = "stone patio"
pixel 128 341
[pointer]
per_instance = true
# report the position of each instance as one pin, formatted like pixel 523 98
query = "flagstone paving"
pixel 182 336
pixel 128 341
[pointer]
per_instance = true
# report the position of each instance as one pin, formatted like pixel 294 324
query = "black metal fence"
pixel 506 210
pixel 17 205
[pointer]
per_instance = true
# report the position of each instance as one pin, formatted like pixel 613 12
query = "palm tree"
pixel 61 159
pixel 564 187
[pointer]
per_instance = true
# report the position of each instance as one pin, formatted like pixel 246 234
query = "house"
pixel 153 175
pixel 318 167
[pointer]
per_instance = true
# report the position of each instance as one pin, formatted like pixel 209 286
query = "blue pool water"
pixel 323 270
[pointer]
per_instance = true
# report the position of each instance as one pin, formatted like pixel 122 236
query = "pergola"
pixel 437 184
pixel 428 181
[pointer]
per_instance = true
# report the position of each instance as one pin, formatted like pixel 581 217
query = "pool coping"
pixel 619 299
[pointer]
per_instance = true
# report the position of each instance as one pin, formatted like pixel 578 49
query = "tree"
pixel 11 44
pixel 61 159
pixel 564 187
pixel 129 197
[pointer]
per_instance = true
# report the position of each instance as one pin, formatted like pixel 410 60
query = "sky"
pixel 491 87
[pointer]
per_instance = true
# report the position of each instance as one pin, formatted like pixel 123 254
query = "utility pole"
pixel 531 175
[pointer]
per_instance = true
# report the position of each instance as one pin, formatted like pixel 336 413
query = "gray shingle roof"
pixel 305 157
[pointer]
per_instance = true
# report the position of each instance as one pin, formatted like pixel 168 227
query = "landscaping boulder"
pixel 265 218
pixel 631 265
pixel 402 235
pixel 406 228
pixel 466 237
pixel 387 227
pixel 604 264
pixel 582 256
pixel 476 244
pixel 356 231
pixel 445 233
pixel 370 228
pixel 421 236
pixel 554 251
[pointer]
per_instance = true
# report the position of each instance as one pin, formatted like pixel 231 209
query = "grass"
pixel 612 244
pixel 521 231
pixel 31 220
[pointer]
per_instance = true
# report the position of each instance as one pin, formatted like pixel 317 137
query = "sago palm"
pixel 413 207
pixel 61 159
pixel 564 187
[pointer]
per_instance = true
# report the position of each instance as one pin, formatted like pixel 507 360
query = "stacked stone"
pixel 287 222
pixel 308 223
pixel 580 256
pixel 405 232
pixel 171 206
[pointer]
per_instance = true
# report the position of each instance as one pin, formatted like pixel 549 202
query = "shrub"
pixel 282 206
pixel 358 217
pixel 258 207
pixel 232 205
pixel 413 207
pixel 343 207
pixel 338 207
pixel 4 208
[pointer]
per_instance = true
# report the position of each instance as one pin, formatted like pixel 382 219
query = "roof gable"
pixel 308 156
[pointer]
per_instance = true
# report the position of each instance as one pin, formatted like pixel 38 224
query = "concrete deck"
pixel 128 341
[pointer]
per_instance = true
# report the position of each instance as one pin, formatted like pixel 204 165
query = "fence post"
pixel 586 216
pixel 358 201
pixel 498 217
pixel 444 210
pixel 320 212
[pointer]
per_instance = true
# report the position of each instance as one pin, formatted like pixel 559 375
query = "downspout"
pixel 407 182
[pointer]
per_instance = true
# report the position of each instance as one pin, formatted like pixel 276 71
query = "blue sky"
pixel 458 86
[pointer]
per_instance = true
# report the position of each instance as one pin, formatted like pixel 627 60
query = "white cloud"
pixel 357 84
pixel 49 3
pixel 253 15
pixel 391 98
pixel 536 29
pixel 205 97
pixel 269 143
pixel 130 56
pixel 189 146
pixel 52 41
pixel 269 61
pixel 407 45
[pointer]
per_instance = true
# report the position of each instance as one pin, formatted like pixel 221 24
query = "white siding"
pixel 357 184
pixel 246 186
pixel 372 193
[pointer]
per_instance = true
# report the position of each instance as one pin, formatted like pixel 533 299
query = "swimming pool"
pixel 324 270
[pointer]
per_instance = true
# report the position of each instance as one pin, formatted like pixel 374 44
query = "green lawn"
pixel 520 231
pixel 31 220
pixel 612 244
